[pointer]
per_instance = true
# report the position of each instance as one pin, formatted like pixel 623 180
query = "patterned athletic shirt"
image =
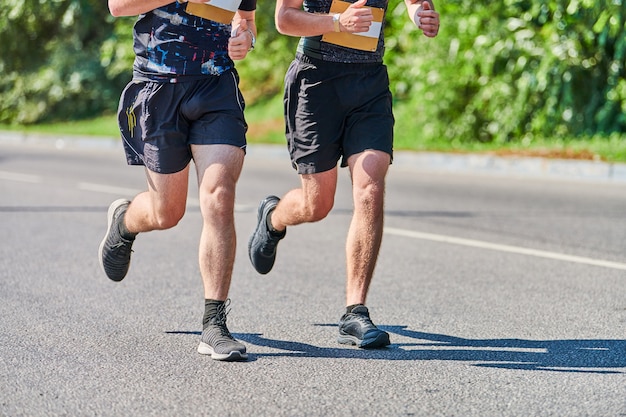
pixel 314 47
pixel 172 45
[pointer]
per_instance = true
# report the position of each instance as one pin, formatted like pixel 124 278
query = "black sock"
pixel 123 230
pixel 211 307
pixel 349 308
pixel 270 227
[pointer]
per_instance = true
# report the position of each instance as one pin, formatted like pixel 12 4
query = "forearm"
pixel 296 22
pixel 249 17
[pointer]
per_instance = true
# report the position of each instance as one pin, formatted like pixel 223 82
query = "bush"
pixel 500 72
pixel 512 71
pixel 51 61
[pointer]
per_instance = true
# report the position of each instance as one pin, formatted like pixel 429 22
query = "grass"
pixel 105 125
pixel 608 149
pixel 266 125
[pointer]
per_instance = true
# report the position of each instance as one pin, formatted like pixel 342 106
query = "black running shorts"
pixel 335 110
pixel 160 121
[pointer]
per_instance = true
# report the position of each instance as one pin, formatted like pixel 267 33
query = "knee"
pixel 369 196
pixel 368 178
pixel 169 217
pixel 318 209
pixel 219 203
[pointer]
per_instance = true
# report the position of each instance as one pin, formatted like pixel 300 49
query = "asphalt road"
pixel 503 296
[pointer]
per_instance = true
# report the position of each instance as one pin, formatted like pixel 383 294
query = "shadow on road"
pixel 582 356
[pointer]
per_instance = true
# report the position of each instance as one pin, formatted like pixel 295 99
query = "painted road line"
pixel 504 248
pixel 14 176
pixel 107 189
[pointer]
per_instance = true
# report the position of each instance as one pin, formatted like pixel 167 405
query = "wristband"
pixel 336 22
pixel 253 39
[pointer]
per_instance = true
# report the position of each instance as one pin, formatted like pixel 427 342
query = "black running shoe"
pixel 356 328
pixel 262 244
pixel 114 250
pixel 217 341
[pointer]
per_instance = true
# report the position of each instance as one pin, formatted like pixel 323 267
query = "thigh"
pixel 319 186
pixel 168 192
pixel 218 168
pixel 368 170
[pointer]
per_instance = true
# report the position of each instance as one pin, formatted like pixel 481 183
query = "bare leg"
pixel 310 203
pixel 368 171
pixel 162 206
pixel 218 168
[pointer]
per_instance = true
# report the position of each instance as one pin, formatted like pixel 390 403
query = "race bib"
pixel 364 41
pixel 221 11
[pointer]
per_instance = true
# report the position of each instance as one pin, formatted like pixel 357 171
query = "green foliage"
pixel 263 70
pixel 50 60
pixel 266 126
pixel 511 71
pixel 498 73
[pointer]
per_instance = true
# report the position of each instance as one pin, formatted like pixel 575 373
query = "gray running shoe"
pixel 217 341
pixel 262 244
pixel 356 328
pixel 115 251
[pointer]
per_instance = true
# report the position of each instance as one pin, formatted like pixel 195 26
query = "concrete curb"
pixel 58 141
pixel 562 169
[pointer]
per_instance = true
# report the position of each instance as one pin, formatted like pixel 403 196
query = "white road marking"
pixel 14 176
pixel 129 192
pixel 504 248
pixel 443 346
pixel 107 189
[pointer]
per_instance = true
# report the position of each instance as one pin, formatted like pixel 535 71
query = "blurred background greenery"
pixel 523 77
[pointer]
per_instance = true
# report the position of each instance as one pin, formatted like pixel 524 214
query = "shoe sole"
pixel 380 341
pixel 114 206
pixel 235 355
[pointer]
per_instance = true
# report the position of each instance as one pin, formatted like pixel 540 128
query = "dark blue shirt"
pixel 172 45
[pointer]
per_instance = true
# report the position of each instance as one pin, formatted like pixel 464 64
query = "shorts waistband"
pixel 317 61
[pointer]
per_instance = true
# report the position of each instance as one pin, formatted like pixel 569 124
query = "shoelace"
pixel 120 244
pixel 225 332
pixel 120 250
pixel 222 312
pixel 365 320
pixel 220 319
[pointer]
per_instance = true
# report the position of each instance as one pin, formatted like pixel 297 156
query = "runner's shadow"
pixel 600 356
pixel 569 355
